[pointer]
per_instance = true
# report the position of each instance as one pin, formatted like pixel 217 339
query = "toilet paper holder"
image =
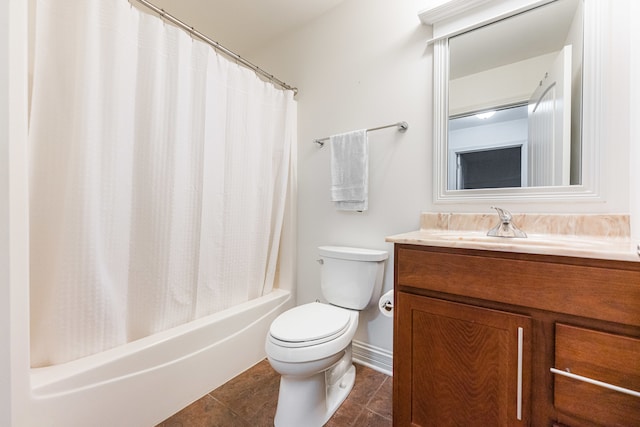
pixel 385 304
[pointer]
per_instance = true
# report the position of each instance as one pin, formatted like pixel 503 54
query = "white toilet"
pixel 310 345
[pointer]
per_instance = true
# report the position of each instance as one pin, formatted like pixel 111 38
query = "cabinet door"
pixel 460 365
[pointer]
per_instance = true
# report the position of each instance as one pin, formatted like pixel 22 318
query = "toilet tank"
pixel 351 277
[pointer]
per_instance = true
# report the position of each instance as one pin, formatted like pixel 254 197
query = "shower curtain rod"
pixel 402 127
pixel 216 45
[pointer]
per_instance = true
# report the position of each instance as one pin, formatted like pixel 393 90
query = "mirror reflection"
pixel 515 95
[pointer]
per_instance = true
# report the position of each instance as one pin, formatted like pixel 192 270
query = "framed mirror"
pixel 516 102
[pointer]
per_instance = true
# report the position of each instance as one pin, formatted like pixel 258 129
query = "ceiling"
pixel 244 26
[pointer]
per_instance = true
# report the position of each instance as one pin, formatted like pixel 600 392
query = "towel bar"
pixel 402 127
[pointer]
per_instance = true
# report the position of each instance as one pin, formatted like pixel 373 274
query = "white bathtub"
pixel 144 382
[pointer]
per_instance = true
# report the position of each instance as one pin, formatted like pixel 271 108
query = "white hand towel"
pixel 350 170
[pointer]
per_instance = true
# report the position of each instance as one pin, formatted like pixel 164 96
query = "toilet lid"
pixel 310 322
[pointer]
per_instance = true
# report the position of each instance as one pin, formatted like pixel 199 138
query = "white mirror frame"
pixel 456 21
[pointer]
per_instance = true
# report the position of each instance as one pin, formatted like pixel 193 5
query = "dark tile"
pixel 253 394
pixel 371 419
pixel 260 410
pixel 206 412
pixel 256 376
pixel 382 401
pixel 250 399
pixel 264 416
pixel 346 413
pixel 367 383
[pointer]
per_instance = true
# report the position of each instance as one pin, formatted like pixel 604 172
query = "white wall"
pixel 5 283
pixel 634 113
pixel 366 63
pixel 363 64
pixel 508 84
pixel 14 281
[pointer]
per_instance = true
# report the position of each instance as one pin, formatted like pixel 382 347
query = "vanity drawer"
pixel 609 360
pixel 602 291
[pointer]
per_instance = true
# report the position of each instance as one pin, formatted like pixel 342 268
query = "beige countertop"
pixel 585 236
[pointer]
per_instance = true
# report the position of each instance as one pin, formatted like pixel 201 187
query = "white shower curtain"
pixel 159 171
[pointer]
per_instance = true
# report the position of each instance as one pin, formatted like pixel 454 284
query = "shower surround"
pixel 161 213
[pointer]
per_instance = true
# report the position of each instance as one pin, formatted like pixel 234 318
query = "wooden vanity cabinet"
pixel 477 334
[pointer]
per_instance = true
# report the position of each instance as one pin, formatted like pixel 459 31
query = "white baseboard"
pixel 373 357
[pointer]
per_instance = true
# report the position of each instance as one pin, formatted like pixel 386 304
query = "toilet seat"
pixel 304 351
pixel 309 324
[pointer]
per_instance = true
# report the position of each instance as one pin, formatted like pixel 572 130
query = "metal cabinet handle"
pixel 596 382
pixel 519 389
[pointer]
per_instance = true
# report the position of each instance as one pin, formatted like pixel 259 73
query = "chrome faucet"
pixel 505 227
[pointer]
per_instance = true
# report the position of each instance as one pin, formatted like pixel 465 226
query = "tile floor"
pixel 249 400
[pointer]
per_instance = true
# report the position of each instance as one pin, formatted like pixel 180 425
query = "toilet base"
pixel 311 401
pixel 337 393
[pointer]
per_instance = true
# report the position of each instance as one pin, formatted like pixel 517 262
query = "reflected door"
pixel 550 125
